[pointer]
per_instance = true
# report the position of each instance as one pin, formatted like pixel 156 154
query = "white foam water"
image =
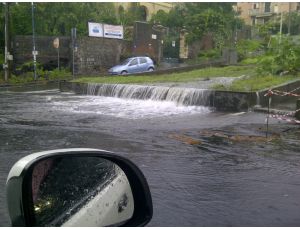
pixel 126 108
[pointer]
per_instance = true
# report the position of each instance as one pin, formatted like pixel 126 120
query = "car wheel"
pixel 150 69
pixel 123 73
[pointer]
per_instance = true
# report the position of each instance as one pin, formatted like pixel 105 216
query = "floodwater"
pixel 199 174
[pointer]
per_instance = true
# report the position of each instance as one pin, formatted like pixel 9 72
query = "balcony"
pixel 259 13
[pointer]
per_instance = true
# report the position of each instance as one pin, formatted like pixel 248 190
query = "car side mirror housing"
pixel 77 187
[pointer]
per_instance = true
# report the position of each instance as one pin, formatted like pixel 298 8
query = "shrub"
pixel 248 48
pixel 209 54
pixel 41 76
pixel 267 65
pixel 248 61
pixel 28 67
pixel 59 74
pixel 283 56
pixel 25 78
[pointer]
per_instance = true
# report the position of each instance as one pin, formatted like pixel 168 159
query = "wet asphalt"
pixel 196 177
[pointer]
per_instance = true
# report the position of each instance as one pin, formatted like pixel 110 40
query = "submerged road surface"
pixel 203 167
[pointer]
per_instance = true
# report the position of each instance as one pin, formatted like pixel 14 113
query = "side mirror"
pixel 77 187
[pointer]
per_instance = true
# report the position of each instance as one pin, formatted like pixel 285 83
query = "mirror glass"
pixel 80 191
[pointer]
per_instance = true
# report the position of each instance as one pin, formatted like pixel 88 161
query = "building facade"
pixel 254 13
pixel 149 8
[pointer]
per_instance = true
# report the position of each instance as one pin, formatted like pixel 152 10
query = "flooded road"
pixel 196 178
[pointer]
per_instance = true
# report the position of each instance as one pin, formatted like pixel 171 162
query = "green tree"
pixel 58 18
pixel 173 19
pixel 199 19
pixel 1 28
pixel 135 12
pixel 294 23
pixel 208 21
pixel 20 15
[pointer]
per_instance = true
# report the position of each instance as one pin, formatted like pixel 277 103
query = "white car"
pixel 133 65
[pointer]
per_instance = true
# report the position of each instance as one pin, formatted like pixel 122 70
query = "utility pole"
pixel 5 66
pixel 236 29
pixel 74 49
pixel 289 19
pixel 34 52
pixel 280 32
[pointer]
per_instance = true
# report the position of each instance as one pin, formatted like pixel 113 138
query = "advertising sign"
pixel 113 31
pixel 56 43
pixel 95 29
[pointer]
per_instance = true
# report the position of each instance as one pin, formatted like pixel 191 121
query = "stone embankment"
pixel 220 100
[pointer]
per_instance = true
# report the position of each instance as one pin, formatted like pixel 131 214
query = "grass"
pixel 250 82
pixel 256 83
pixel 230 71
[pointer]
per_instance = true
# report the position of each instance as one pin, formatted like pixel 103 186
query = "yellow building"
pixel 254 13
pixel 149 8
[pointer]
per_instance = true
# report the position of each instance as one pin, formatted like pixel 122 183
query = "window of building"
pixel 256 6
pixel 267 7
pixel 144 13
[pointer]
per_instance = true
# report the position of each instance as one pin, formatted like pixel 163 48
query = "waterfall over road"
pixel 182 96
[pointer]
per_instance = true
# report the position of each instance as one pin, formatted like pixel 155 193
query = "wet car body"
pixel 133 65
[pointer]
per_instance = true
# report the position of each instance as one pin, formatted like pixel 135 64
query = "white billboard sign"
pixel 113 31
pixel 95 29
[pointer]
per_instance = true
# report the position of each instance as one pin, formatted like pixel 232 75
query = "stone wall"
pixel 234 101
pixel 22 50
pixel 147 40
pixel 95 55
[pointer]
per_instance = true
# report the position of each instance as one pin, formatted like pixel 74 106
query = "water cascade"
pixel 182 96
pixel 257 99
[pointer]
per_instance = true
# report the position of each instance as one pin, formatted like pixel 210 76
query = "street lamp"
pixel 5 66
pixel 34 52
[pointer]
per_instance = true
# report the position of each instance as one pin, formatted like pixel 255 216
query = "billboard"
pixel 113 31
pixel 95 29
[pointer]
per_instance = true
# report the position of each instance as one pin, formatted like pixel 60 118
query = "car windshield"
pixel 124 62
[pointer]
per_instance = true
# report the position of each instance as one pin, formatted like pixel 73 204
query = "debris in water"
pixel 238 138
pixel 186 139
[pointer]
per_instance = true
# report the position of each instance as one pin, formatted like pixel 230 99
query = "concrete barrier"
pixel 281 102
pixel 226 100
pixel 221 100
